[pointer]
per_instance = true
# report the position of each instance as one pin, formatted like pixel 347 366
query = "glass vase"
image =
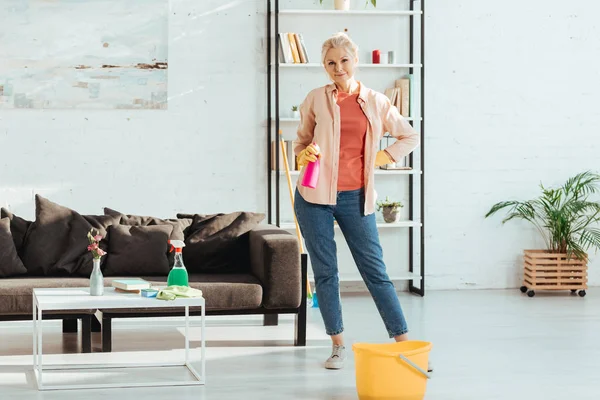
pixel 96 280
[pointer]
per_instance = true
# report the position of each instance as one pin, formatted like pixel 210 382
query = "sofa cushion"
pixel 56 244
pixel 10 263
pixel 138 250
pixel 221 291
pixel 16 293
pixel 218 243
pixel 18 229
pixel 180 225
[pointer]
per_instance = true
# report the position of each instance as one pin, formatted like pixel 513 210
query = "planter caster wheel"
pixel 582 293
pixel 531 293
pixel 573 291
pixel 523 289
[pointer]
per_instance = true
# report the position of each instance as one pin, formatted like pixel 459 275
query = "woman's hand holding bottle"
pixel 309 154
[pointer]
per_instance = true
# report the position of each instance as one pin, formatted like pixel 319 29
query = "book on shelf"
pixel 289 152
pixel 401 95
pixel 130 285
pixel 292 49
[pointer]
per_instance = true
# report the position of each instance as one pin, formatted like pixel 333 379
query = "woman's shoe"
pixel 336 360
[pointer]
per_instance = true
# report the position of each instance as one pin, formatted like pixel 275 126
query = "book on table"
pixel 130 284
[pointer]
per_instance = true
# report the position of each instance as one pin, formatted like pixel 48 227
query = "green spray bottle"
pixel 178 275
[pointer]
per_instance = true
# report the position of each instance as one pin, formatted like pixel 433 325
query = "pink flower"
pixel 97 252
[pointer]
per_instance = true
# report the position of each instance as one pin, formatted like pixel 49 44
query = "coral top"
pixel 353 124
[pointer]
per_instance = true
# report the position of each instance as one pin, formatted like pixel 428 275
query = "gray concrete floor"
pixel 488 344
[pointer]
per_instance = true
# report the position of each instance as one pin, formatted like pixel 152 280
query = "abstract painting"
pixel 83 54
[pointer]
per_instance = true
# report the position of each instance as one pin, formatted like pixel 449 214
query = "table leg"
pixel 187 338
pixel 203 343
pixel 33 319
pixel 40 347
pixel 86 333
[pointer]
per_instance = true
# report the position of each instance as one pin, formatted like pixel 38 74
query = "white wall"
pixel 510 91
pixel 191 157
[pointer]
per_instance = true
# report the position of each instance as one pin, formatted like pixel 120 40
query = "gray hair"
pixel 339 40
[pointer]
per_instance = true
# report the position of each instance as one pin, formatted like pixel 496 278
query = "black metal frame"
pixel 411 287
pixel 68 319
pixel 420 290
pixel 270 315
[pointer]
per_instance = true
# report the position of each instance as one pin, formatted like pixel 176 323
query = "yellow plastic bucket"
pixel 392 370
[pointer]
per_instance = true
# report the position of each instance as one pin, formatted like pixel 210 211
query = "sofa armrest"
pixel 275 261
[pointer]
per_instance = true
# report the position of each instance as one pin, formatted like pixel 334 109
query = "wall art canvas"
pixel 83 54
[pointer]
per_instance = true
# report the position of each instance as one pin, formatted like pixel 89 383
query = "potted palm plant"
pixel 567 220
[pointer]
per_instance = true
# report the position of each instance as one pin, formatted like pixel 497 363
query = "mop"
pixel 309 293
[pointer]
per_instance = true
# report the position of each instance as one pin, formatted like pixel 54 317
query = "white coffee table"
pixel 79 298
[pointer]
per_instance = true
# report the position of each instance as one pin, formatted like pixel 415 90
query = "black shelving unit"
pixel 273 128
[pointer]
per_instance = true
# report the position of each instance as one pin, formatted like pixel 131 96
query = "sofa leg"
pixel 86 334
pixel 300 339
pixel 69 325
pixel 106 334
pixel 271 319
pixel 96 325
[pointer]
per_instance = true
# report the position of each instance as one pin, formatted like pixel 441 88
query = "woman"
pixel 347 120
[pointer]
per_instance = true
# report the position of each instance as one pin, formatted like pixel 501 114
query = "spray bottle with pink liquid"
pixel 311 172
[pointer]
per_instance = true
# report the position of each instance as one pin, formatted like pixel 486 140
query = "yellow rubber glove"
pixel 309 154
pixel 382 158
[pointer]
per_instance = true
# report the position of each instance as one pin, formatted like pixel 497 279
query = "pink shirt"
pixel 320 123
pixel 353 131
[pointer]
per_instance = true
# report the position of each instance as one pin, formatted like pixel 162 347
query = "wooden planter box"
pixel 543 270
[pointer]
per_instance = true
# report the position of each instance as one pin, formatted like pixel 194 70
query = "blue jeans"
pixel 362 236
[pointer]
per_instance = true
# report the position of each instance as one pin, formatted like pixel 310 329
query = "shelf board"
pixel 377 172
pixel 290 120
pixel 401 224
pixel 406 276
pixel 349 12
pixel 314 65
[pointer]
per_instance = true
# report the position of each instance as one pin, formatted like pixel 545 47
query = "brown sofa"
pixel 242 265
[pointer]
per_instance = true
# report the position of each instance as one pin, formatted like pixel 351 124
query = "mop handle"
pixel 289 181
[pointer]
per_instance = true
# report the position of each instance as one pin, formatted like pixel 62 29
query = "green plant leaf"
pixel 564 216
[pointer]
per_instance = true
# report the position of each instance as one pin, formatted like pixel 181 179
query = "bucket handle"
pixel 415 366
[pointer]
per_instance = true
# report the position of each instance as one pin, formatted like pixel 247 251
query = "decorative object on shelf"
pixel 383 58
pixel 402 164
pixel 566 220
pixel 391 58
pixel 96 278
pixel 344 5
pixel 295 112
pixel 391 209
pixel 376 56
